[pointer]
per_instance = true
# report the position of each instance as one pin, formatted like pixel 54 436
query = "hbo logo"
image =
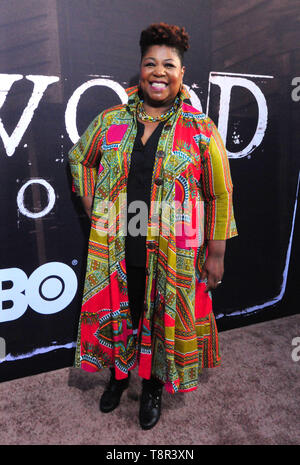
pixel 49 289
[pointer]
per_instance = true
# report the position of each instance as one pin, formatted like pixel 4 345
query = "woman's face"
pixel 161 75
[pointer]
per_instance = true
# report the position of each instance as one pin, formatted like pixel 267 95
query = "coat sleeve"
pixel 84 158
pixel 217 190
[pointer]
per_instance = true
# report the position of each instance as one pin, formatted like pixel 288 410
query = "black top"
pixel 139 188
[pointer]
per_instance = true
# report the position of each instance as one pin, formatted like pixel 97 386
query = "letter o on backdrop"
pixel 51 288
pixel 71 110
pixel 50 194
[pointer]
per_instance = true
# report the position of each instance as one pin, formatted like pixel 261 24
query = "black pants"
pixel 136 280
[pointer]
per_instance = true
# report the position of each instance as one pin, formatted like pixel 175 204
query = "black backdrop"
pixel 85 53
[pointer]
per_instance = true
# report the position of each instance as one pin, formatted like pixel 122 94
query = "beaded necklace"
pixel 153 119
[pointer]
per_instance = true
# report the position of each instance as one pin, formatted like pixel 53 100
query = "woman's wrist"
pixel 87 202
pixel 216 248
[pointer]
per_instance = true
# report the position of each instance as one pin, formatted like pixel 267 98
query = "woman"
pixel 147 294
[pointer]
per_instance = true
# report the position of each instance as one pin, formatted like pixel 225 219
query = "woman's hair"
pixel 165 34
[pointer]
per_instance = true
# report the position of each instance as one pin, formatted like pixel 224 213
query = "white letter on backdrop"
pixel 14 294
pixel 40 85
pixel 226 82
pixel 71 110
pixel 50 196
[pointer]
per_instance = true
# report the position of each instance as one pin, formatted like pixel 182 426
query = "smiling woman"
pixel 147 297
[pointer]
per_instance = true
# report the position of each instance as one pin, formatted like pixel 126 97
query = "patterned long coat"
pixel 191 203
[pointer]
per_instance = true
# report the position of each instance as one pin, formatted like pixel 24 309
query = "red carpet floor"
pixel 253 398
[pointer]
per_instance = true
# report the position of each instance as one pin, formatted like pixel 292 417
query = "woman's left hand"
pixel 213 268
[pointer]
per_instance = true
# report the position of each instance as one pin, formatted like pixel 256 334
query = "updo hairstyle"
pixel 165 34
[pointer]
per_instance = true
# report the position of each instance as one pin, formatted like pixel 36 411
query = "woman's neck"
pixel 155 111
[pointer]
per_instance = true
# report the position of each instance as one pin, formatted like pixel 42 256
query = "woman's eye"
pixel 149 64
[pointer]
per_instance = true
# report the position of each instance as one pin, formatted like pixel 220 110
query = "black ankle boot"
pixel 111 397
pixel 150 406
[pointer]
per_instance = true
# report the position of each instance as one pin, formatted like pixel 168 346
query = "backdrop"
pixel 61 63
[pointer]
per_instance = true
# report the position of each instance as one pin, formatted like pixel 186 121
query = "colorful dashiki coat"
pixel 177 335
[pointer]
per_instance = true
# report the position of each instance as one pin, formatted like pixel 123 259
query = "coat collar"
pixel 134 99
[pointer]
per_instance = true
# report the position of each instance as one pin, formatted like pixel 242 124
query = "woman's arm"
pixel 213 268
pixel 219 218
pixel 87 202
pixel 84 159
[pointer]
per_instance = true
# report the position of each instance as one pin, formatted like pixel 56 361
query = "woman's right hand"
pixel 87 202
